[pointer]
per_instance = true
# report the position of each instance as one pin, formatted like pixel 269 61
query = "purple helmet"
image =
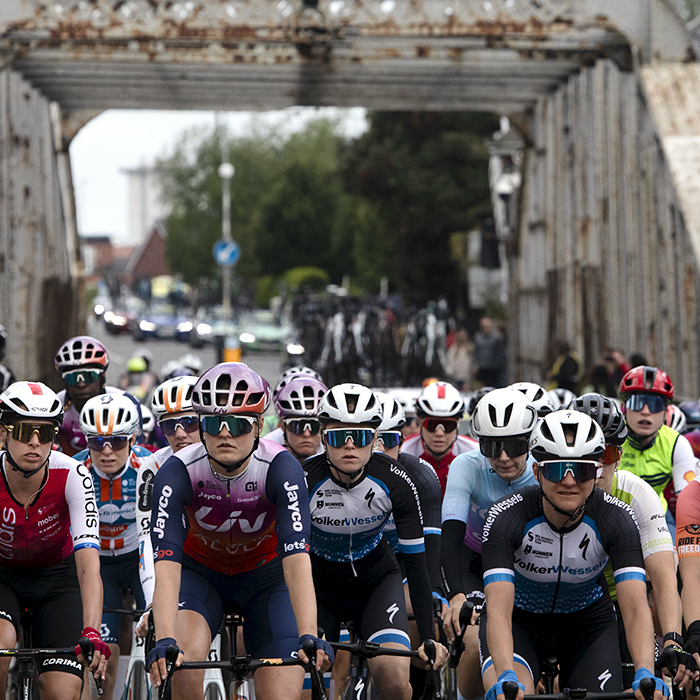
pixel 292 373
pixel 300 397
pixel 231 387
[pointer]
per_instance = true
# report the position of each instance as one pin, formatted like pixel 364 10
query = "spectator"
pixel 601 382
pixel 489 354
pixel 567 370
pixel 459 361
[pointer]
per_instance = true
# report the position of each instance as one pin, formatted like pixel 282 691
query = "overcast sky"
pixel 119 139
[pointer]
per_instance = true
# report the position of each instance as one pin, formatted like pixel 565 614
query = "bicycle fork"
pixel 358 683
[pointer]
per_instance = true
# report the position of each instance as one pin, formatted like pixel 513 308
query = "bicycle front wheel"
pixel 137 684
pixel 213 693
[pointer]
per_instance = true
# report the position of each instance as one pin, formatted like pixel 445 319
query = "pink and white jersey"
pixel 61 518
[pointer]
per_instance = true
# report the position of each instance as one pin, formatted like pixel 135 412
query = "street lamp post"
pixel 226 171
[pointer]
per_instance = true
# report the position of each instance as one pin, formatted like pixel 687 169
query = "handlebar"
pixel 647 686
pixel 87 649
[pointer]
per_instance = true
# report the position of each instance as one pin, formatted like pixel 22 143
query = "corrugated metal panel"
pixel 39 300
pixel 621 268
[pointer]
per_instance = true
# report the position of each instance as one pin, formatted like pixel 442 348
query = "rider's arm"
pixel 685 464
pixel 144 494
pixel 636 616
pixel 688 542
pixel 297 576
pixel 87 564
pixel 500 596
pixel 165 597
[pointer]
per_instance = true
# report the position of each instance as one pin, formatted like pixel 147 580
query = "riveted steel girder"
pixel 385 54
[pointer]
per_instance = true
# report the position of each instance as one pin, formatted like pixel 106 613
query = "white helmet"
pixel 406 397
pixel 675 418
pixel 29 400
pixel 537 396
pixel 148 419
pixel 440 400
pixel 503 413
pixel 192 362
pixel 567 435
pixel 561 398
pixel 172 396
pixel 350 403
pixel 393 415
pixel 109 414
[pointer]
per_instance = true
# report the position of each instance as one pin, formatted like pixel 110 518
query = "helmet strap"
pixel 25 473
pixel 229 467
pixel 352 475
pixel 572 515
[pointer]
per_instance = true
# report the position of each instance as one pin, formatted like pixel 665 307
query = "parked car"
pixel 261 329
pixel 162 320
pixel 123 315
pixel 212 323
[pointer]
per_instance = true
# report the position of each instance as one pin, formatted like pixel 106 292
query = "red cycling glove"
pixel 94 636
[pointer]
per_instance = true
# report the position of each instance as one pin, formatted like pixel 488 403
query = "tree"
pixel 427 175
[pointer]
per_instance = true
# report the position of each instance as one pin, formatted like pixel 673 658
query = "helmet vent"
pixel 21 404
pixel 351 401
pixel 253 399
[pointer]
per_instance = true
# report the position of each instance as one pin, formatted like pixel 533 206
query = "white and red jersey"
pixel 414 446
pixel 59 520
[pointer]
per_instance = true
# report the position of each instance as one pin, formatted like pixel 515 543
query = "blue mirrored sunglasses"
pixel 581 470
pixel 337 437
pixel 390 439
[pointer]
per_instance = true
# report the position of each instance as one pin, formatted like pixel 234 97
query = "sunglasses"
pixel 298 426
pixel 390 439
pixel 581 470
pixel 612 454
pixel 337 437
pixel 169 426
pixel 87 376
pixel 236 425
pixel 115 442
pixel 448 425
pixel 23 432
pixel 513 447
pixel 655 402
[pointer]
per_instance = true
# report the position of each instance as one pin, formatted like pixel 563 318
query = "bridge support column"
pixel 602 254
pixel 40 271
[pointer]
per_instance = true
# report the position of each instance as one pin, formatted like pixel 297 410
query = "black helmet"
pixel 605 412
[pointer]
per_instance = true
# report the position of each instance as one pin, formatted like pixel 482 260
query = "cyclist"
pixel 537 396
pixel 652 450
pixel 657 543
pixel 544 548
pixel 172 406
pixel 560 397
pixel 111 423
pixel 296 404
pixel 440 408
pixel 231 533
pixel 49 542
pixel 502 421
pixel 353 491
pixel 271 422
pixel 82 362
pixel 688 543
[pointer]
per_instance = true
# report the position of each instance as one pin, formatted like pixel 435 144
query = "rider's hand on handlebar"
pixel 660 688
pixel 677 664
pixel 450 619
pixel 156 663
pixel 441 655
pixel 324 652
pixel 101 653
pixel 142 626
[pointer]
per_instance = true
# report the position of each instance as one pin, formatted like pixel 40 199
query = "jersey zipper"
pixel 561 554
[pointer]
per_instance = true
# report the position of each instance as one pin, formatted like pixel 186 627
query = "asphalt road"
pixel 122 347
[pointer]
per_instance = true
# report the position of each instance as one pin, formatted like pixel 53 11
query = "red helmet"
pixel 650 380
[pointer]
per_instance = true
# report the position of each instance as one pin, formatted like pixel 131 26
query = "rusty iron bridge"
pixel 602 232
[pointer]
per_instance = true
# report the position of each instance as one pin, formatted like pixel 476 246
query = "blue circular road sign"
pixel 226 253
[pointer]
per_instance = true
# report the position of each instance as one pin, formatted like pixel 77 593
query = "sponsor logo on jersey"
pixel 232 518
pixel 251 485
pixel 301 545
pixel 146 489
pixel 163 515
pixel 7 532
pixel 496 509
pixel 91 515
pixel 293 505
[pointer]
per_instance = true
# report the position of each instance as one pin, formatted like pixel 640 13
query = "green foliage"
pixel 383 204
pixel 301 277
pixel 427 175
pixel 267 287
pixel 688 9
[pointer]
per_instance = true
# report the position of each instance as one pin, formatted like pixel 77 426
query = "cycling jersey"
pixel 70 436
pixel 144 492
pixel 653 531
pixel 231 525
pixel 472 488
pixel 347 521
pixel 688 520
pixel 414 446
pixel 116 502
pixel 428 486
pixel 668 456
pixel 61 518
pixel 557 571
